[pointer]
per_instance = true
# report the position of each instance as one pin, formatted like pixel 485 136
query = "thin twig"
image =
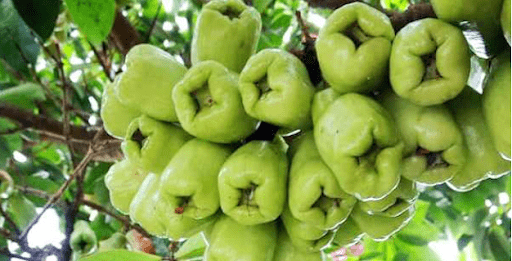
pixel 106 68
pixel 39 193
pixel 11 131
pixel 153 23
pixel 6 252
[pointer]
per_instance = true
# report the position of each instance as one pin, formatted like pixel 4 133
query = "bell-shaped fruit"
pixel 209 105
pixel 314 195
pixel 115 116
pixel 358 140
pixel 305 236
pixel 434 148
pixel 286 251
pixel 147 83
pixel 82 240
pixel 321 101
pixel 232 241
pixel 353 48
pixel 397 202
pixel 226 31
pixel 380 227
pixel 252 182
pixel 348 233
pixel 483 160
pixel 123 180
pixel 152 143
pixel 276 88
pixel 496 103
pixel 505 20
pixel 429 62
pixel 189 183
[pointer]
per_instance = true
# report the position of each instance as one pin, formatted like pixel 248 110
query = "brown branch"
pixel 123 219
pixel 330 4
pixel 153 23
pixel 102 61
pixel 40 194
pixel 414 12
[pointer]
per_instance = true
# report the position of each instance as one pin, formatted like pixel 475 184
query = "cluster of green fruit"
pixel 190 164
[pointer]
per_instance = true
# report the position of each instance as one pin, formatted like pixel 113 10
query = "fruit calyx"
pixel 434 159
pixel 431 72
pixel 247 196
pixel 356 34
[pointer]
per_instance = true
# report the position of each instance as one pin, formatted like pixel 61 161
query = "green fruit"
pixel 304 236
pixel 115 116
pixel 314 195
pixel 348 233
pixel 286 251
pixel 397 202
pixel 123 180
pixel 496 104
pixel 147 83
pixel 483 159
pixel 359 142
pixel 232 241
pixel 144 208
pixel 353 48
pixel 505 19
pixel 116 241
pixel 252 183
pixel 152 143
pixel 379 227
pixel 321 101
pixel 189 183
pixel 434 148
pixel 209 106
pixel 82 240
pixel 276 88
pixel 226 31
pixel 484 16
pixel 429 62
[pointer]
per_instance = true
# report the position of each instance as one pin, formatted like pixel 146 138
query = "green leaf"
pixel 261 5
pixel 39 15
pixel 120 255
pixel 94 17
pixel 20 209
pixel 8 144
pixel 23 96
pixel 192 248
pixel 415 252
pixel 15 38
pixel 499 243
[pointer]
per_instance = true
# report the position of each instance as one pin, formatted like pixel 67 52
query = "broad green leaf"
pixel 419 231
pixel 8 144
pixel 261 5
pixel 23 96
pixel 499 243
pixel 15 39
pixel 120 255
pixel 39 15
pixel 415 252
pixel 20 209
pixel 94 17
pixel 192 248
pixel 101 228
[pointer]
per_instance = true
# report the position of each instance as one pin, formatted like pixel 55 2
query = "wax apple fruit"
pixel 226 31
pixel 314 195
pixel 232 241
pixel 115 115
pixel 147 83
pixel 483 159
pixel 505 20
pixel 82 240
pixel 286 251
pixel 276 88
pixel 353 48
pixel 359 142
pixel 321 101
pixel 429 62
pixel 209 106
pixel 252 183
pixel 152 143
pixel 397 202
pixel 347 233
pixel 496 103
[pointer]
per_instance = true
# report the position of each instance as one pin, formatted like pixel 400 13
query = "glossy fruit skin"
pixel 433 129
pixel 483 159
pixel 286 251
pixel 346 66
pixel 209 105
pixel 314 195
pixel 505 19
pixel 407 70
pixel 160 142
pixel 262 168
pixel 228 41
pixel 346 146
pixel 305 236
pixel 397 202
pixel 123 180
pixel 82 240
pixel 232 241
pixel 484 14
pixel 116 241
pixel 378 227
pixel 115 115
pixel 287 90
pixel 321 101
pixel 348 233
pixel 496 103
pixel 147 83
pixel 191 176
